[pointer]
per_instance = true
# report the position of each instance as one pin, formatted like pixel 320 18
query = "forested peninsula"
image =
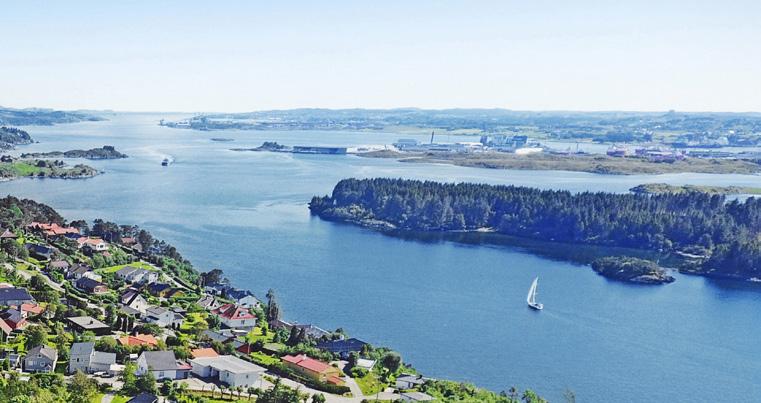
pixel 720 238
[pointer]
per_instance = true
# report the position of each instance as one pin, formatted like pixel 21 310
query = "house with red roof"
pixel 203 353
pixel 138 340
pixel 314 369
pixel 235 316
pixel 52 230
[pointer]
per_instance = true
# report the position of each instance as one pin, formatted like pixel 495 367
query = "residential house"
pixel 7 234
pixel 83 357
pixel 217 336
pixel 203 353
pixel 208 302
pixel 5 329
pixel 14 296
pixel 174 293
pixel 366 364
pixel 81 324
pixel 342 347
pixel 41 252
pixel 243 298
pixel 314 369
pixel 135 275
pixel 30 309
pixel 310 330
pixel 92 244
pixel 227 369
pixel 144 398
pixel 40 359
pixel 139 340
pixel 162 364
pixel 235 317
pixel 216 288
pixel 415 397
pixel 160 316
pixel 14 318
pixel 407 381
pixel 51 230
pixel 91 286
pixel 134 300
pixel 77 272
pixel 159 289
pixel 60 265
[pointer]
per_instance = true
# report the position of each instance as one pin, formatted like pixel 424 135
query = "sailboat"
pixel 531 298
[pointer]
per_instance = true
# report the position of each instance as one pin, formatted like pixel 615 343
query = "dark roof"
pixel 7 294
pixel 87 283
pixel 160 360
pixel 158 287
pixel 342 346
pixel 144 398
pixel 39 249
pixel 237 293
pixel 129 311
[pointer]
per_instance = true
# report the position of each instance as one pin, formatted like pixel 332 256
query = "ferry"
pixel 165 162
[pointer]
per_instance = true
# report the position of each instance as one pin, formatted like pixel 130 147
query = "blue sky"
pixel 250 55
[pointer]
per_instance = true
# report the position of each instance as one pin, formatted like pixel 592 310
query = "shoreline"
pixel 596 164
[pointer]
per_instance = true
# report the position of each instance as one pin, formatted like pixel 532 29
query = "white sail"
pixel 531 297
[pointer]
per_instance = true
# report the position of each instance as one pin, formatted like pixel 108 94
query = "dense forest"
pixel 721 236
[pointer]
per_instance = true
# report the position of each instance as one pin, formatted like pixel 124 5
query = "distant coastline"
pixel 598 164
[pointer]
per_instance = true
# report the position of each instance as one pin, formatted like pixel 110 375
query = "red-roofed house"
pixel 314 369
pixel 138 340
pixel 235 316
pixel 33 309
pixel 95 244
pixel 203 353
pixel 5 328
pixel 52 230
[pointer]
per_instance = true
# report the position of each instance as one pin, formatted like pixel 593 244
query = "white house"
pixel 235 317
pixel 243 298
pixel 134 275
pixel 228 369
pixel 162 364
pixel 83 357
pixel 134 300
pixel 160 316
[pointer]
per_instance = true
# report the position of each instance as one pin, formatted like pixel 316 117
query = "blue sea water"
pixel 454 310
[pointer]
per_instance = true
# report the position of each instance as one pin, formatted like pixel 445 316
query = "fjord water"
pixel 453 309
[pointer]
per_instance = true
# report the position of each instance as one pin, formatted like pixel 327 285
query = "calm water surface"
pixel 454 310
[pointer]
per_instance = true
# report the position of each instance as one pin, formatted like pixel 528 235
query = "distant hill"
pixel 42 117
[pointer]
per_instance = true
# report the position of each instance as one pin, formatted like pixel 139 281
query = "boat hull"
pixel 537 306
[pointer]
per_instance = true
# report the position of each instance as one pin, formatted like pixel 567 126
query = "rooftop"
pixel 87 322
pixel 228 363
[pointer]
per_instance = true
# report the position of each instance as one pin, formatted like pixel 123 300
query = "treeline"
pixel 723 236
pixel 10 136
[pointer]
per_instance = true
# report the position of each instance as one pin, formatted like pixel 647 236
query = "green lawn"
pixel 191 319
pixel 97 398
pixel 114 269
pixel 369 384
pixel 264 359
pixel 120 399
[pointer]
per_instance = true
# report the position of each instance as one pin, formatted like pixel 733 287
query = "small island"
pixel 632 270
pixel 103 153
pixel 662 188
pixel 33 168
